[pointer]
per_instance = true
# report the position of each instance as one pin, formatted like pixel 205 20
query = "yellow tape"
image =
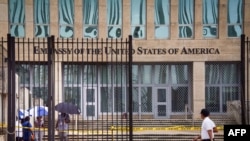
pixel 117 128
pixel 176 128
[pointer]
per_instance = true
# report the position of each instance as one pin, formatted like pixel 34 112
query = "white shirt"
pixel 207 124
pixel 19 129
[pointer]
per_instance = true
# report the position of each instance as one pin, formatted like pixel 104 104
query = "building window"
pixel 175 77
pixel 162 14
pixel 210 18
pixel 179 84
pixel 72 90
pixel 106 99
pixel 66 18
pixel 234 18
pixel 138 18
pixel 72 94
pixel 186 18
pixel 34 78
pixel 17 18
pixel 111 83
pixel 146 74
pixel 41 18
pixel 146 99
pixel 89 74
pixel 90 18
pixel 222 85
pixel 114 18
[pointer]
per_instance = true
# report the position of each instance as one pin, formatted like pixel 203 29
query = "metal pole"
pixel 243 76
pixel 51 112
pixel 247 83
pixel 130 91
pixel 11 89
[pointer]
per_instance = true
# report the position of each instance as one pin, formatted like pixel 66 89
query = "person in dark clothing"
pixel 27 132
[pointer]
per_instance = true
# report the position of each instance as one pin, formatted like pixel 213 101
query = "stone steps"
pixel 153 130
pixel 142 137
pixel 107 124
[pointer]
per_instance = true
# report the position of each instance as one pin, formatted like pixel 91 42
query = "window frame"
pixel 138 26
pixel 191 25
pixel 210 24
pixel 66 25
pixel 12 20
pixel 235 24
pixel 92 26
pixel 119 25
pixel 162 25
pixel 41 24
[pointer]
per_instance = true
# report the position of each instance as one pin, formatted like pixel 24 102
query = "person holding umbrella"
pixel 62 125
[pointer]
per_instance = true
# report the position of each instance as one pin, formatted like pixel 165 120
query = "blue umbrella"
pixel 23 113
pixel 38 111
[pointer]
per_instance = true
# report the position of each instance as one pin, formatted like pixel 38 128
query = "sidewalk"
pixel 173 132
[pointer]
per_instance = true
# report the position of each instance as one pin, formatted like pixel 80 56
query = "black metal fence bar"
pixel 247 109
pixel 245 79
pixel 51 89
pixel 11 89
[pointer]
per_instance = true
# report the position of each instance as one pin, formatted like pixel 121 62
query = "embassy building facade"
pixel 186 53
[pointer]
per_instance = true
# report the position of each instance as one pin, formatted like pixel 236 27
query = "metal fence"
pixel 92 74
pixel 95 75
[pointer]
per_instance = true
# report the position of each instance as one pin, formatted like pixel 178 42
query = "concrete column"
pixel 54 23
pixel 198 88
pixel 126 25
pixel 58 83
pixel 150 20
pixel 78 22
pixel 102 25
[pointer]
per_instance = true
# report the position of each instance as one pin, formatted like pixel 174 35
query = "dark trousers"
pixel 208 140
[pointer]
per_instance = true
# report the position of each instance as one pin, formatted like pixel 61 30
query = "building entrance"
pixel 89 102
pixel 161 102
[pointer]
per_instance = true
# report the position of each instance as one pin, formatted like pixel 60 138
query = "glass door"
pixel 161 103
pixel 89 103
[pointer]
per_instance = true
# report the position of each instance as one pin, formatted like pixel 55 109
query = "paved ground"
pixel 172 132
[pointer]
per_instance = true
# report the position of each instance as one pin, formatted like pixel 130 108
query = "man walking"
pixel 207 127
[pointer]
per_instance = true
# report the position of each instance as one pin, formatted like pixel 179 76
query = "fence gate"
pixel 245 98
pixel 92 74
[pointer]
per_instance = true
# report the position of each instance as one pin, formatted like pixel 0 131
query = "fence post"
pixel 243 75
pixel 11 89
pixel 130 90
pixel 247 43
pixel 51 85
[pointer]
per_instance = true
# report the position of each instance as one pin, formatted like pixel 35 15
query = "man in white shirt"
pixel 207 127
